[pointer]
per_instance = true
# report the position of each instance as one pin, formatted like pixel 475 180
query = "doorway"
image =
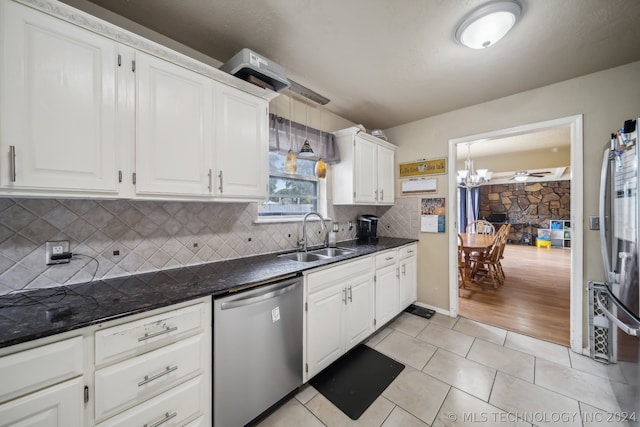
pixel 574 123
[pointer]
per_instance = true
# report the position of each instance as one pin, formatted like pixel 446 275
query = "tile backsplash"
pixel 131 236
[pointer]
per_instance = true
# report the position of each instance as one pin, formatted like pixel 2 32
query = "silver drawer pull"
pixel 148 379
pixel 166 330
pixel 166 418
pixel 389 258
pixel 410 251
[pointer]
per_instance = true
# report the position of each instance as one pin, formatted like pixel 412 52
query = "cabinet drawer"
pixel 176 406
pixel 60 405
pixel 321 279
pixel 386 258
pixel 134 338
pixel 408 251
pixel 137 379
pixel 40 367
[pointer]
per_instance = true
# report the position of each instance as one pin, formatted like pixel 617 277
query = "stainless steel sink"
pixel 332 252
pixel 303 256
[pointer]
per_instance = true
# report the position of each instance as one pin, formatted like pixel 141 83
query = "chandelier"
pixel 470 177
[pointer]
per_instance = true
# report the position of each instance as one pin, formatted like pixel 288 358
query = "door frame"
pixel 577 216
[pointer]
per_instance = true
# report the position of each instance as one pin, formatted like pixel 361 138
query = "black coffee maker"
pixel 367 228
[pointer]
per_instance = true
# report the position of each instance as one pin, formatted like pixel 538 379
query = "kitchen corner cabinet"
pixel 366 169
pixel 58 106
pixel 147 369
pixel 339 311
pixel 84 115
pixel 241 150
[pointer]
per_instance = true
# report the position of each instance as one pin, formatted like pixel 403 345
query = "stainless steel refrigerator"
pixel 618 297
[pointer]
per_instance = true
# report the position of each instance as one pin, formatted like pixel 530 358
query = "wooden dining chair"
pixel 488 264
pixel 461 278
pixel 481 226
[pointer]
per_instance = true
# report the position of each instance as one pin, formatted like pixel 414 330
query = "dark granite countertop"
pixel 43 312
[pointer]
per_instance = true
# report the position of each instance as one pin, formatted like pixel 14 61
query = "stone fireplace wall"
pixel 533 203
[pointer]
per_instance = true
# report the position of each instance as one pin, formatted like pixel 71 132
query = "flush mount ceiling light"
pixel 486 25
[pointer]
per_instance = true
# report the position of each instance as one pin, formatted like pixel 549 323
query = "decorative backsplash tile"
pixel 127 236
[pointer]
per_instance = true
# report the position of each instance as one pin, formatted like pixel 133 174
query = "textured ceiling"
pixel 384 63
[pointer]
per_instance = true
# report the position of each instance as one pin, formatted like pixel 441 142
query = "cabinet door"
pixel 174 115
pixel 359 313
pixel 387 294
pixel 365 175
pixel 324 327
pixel 56 406
pixel 408 282
pixel 58 107
pixel 241 144
pixel 386 168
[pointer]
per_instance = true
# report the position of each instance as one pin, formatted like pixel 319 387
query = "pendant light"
pixel 291 161
pixel 470 177
pixel 306 150
pixel 321 167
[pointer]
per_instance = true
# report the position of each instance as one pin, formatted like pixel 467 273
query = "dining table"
pixel 472 242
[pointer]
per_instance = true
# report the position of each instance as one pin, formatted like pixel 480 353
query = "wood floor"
pixel 534 299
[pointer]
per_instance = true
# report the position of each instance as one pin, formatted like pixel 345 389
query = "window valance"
pixel 323 143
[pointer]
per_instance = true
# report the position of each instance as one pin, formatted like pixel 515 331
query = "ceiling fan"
pixel 521 176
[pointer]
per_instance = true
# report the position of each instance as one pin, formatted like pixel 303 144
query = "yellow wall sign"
pixel 424 167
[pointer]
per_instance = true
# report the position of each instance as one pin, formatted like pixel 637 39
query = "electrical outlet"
pixel 56 248
pixel 350 225
pixel 336 227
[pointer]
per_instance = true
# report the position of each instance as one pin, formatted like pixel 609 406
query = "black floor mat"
pixel 420 311
pixel 354 381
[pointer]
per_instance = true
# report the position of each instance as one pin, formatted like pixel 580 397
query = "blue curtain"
pixel 462 209
pixel 468 206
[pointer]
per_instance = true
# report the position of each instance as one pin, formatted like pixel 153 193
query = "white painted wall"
pixel 605 99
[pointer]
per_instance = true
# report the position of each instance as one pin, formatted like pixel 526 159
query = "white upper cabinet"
pixel 365 174
pixel 58 106
pixel 242 145
pixel 84 115
pixel 174 123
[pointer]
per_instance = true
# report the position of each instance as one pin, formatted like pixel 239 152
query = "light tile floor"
pixel 464 373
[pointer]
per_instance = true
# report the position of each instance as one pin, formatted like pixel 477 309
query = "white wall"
pixel 605 99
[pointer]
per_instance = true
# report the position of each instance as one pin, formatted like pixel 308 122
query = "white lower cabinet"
pixel 387 287
pixel 175 407
pixel 150 369
pixel 57 406
pixel 339 311
pixel 408 275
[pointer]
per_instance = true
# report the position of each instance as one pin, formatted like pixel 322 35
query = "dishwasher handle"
pixel 259 295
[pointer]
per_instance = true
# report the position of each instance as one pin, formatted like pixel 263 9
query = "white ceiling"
pixel 384 63
pixel 549 139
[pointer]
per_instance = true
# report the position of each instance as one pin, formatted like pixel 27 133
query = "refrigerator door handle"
pixel 629 330
pixel 604 173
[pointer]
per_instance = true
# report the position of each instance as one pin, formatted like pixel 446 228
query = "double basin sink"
pixel 316 255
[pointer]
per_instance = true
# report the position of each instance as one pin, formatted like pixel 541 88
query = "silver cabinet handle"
pixel 119 176
pixel 166 330
pixel 376 193
pixel 166 418
pixel 344 296
pixel 148 379
pixel 410 251
pixel 382 194
pixel 403 270
pixel 398 272
pixel 210 181
pixel 220 176
pixel 350 294
pixel 389 258
pixel 12 163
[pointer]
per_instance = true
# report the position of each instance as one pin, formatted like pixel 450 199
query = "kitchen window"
pixel 291 196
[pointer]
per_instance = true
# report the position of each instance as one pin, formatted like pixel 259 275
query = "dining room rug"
pixel 355 381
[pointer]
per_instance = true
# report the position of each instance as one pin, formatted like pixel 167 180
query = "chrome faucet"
pixel 303 242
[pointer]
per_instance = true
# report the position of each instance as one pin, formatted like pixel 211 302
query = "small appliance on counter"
pixel 367 228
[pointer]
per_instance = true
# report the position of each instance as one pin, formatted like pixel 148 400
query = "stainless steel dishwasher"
pixel 257 350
